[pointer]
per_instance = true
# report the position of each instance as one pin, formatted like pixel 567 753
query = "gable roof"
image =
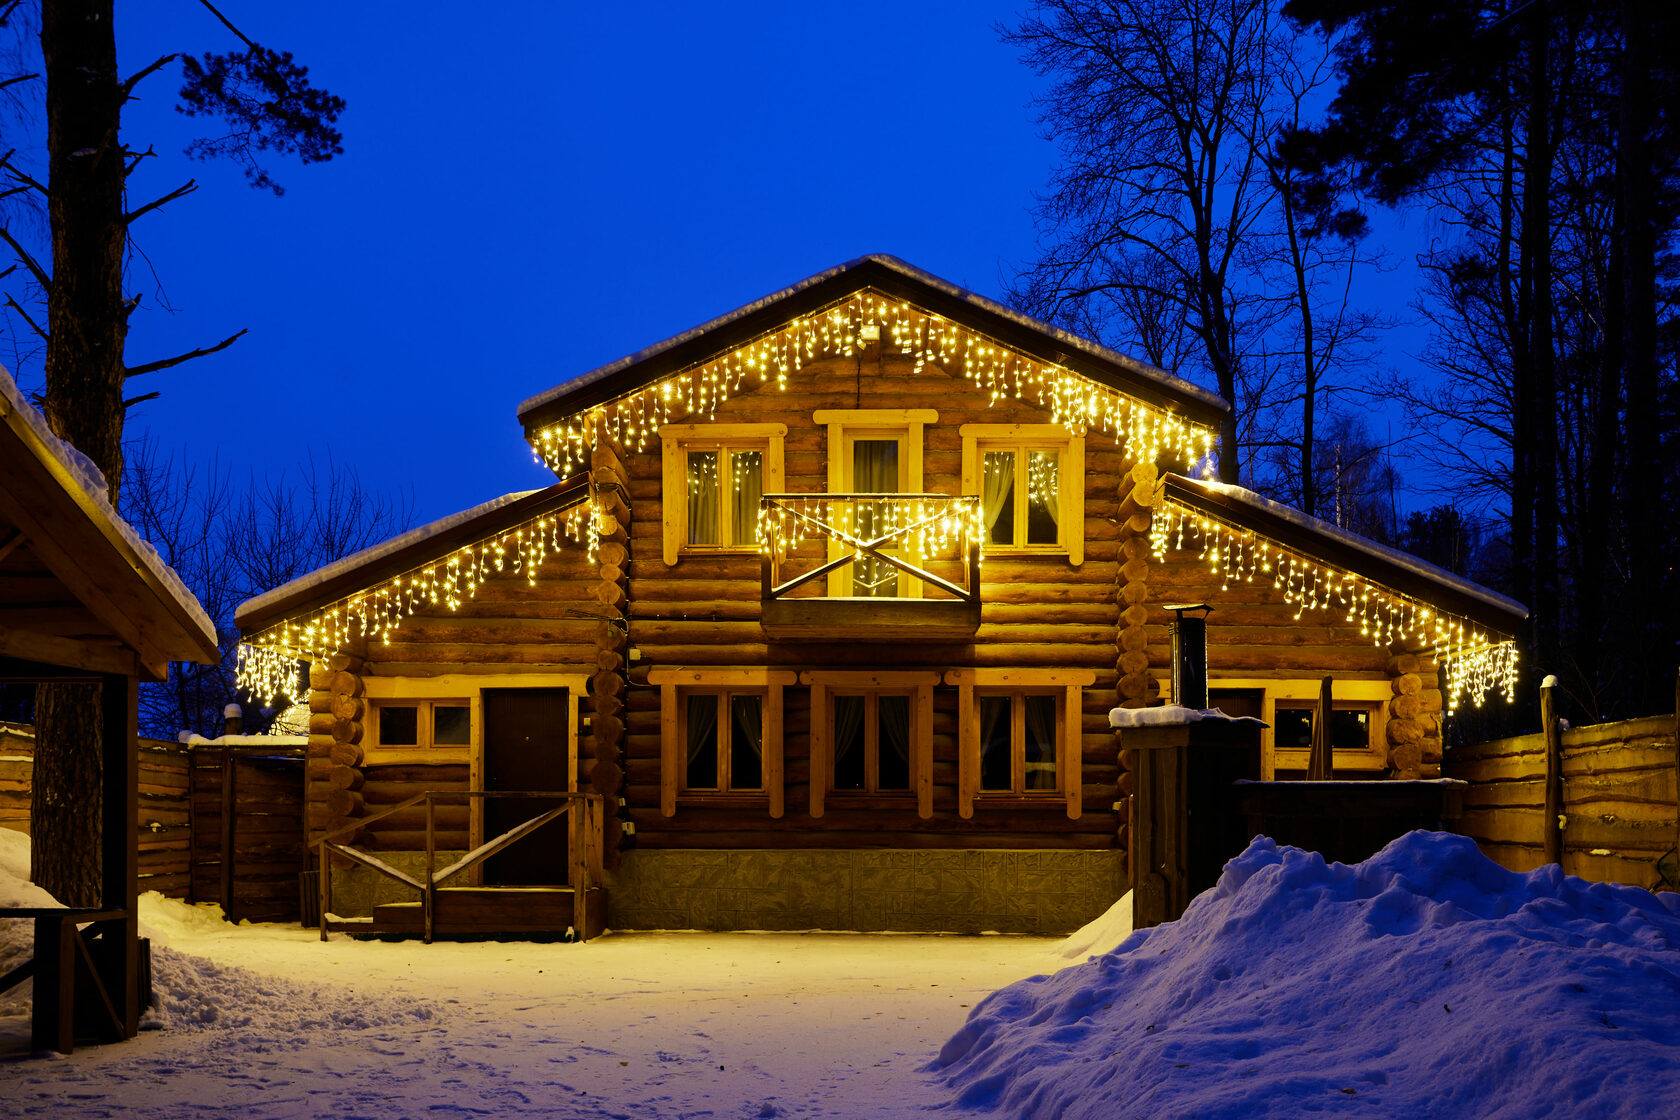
pixel 404 553
pixel 84 590
pixel 1399 571
pixel 891 277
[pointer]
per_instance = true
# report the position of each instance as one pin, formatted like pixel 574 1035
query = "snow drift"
pixel 1424 982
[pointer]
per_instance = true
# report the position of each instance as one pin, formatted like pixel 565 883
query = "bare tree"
pixel 229 543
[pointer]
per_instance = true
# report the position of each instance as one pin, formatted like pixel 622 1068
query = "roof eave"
pixel 891 277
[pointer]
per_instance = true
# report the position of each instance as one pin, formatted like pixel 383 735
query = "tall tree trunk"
pixel 1538 401
pixel 65 802
pixel 87 322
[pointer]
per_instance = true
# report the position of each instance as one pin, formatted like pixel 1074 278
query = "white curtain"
pixel 749 722
pixel 894 737
pixel 1041 730
pixel 747 730
pixel 874 471
pixel 993 710
pixel 848 721
pixel 702 725
pixel 703 487
pixel 1044 467
pixel 998 483
pixel 746 468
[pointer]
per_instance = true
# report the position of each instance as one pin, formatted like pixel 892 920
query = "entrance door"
pixel 526 747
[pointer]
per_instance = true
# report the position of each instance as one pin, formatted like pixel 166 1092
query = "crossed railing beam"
pixel 871 547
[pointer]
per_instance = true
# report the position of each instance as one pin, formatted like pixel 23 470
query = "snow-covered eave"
pixel 405 552
pixel 85 495
pixel 1331 544
pixel 891 276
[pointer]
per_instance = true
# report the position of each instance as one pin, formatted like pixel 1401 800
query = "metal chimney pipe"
pixel 1189 655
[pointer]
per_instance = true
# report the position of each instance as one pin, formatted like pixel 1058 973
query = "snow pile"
pixel 1102 934
pixel 1426 981
pixel 194 993
pixel 1171 715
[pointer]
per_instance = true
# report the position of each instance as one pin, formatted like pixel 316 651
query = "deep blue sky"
pixel 530 190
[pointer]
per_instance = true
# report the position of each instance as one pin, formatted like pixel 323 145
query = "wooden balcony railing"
pixel 881 534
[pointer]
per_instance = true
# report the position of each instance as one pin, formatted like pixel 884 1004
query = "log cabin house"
pixel 830 607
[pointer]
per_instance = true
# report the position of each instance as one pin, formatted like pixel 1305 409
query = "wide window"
pixel 714 476
pixel 422 724
pixel 720 736
pixel 1019 737
pixel 871 738
pixel 1031 482
pixel 871 743
pixel 723 741
pixel 1358 723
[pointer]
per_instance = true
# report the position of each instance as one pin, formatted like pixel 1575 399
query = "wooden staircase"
pixel 489 912
pixel 580 905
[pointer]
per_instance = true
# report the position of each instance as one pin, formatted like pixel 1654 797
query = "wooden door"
pixel 526 747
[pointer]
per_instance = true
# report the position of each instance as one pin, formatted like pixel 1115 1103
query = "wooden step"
pixel 485 911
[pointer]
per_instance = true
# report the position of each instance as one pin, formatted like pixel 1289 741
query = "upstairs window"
pixel 1030 479
pixel 714 476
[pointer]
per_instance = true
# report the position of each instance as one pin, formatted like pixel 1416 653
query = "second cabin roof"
pixel 894 278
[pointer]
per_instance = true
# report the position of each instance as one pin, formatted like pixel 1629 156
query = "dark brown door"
pixel 525 737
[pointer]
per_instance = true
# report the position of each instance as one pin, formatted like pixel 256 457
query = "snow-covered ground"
pixel 1425 982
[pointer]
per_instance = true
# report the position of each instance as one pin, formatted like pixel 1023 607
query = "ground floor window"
pixel 723 739
pixel 1358 723
pixel 871 742
pixel 1020 737
pixel 422 724
pixel 871 738
pixel 1018 742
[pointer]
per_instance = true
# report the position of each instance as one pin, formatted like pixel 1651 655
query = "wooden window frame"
pixel 918 685
pixel 846 426
pixel 424 749
pixel 676 684
pixel 725 732
pixel 1369 695
pixel 977 439
pixel 1069 686
pixel 676 441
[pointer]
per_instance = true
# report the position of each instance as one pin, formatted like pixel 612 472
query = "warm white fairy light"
pixel 920 527
pixel 1148 431
pixel 1473 662
pixel 268 662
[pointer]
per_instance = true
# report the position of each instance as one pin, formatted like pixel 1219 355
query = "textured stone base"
pixel 357 890
pixel 938 891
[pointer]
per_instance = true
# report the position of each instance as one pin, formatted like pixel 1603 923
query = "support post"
pixel 1552 834
pixel 119 701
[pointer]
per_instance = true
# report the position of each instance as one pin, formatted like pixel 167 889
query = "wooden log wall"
pixel 1137 687
pixel 337 726
pixel 17 768
pixel 1619 794
pixel 609 683
pixel 1037 612
pixel 1414 715
pixel 390 784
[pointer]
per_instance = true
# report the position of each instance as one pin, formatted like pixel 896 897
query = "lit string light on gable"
pixel 1473 662
pixel 269 664
pixel 1075 402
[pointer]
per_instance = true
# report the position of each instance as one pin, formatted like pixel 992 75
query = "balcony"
pixel 871 567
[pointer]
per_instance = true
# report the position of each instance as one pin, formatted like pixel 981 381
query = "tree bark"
pixel 87 323
pixel 65 802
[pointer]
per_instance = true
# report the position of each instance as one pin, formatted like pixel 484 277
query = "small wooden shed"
pixel 84 598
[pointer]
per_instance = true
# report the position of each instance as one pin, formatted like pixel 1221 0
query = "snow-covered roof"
pixel 406 551
pixel 1330 543
pixel 894 277
pixel 85 498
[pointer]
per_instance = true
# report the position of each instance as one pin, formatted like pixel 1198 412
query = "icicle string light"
pixel 1148 431
pixel 1472 661
pixel 921 528
pixel 268 663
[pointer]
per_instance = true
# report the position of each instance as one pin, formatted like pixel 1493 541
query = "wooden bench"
pixel 73 977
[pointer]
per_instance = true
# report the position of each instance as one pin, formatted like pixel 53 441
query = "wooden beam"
pixel 65 653
pixel 10 542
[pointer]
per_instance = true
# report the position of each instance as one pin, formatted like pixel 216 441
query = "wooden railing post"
pixel 428 897
pixel 1552 833
pixel 326 884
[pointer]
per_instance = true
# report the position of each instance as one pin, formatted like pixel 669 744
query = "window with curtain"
pixel 724 487
pixel 1020 495
pixel 874 471
pixel 723 736
pixel 1018 742
pixel 871 742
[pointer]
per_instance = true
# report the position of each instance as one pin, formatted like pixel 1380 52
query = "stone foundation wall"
pixel 936 891
pixel 357 890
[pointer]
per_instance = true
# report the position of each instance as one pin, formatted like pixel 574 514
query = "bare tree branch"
pixel 185 189
pixel 153 367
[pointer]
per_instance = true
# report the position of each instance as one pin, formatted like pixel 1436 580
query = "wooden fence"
pixel 1618 802
pixel 197 803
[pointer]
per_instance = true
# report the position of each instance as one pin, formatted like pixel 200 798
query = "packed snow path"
pixel 1426 982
